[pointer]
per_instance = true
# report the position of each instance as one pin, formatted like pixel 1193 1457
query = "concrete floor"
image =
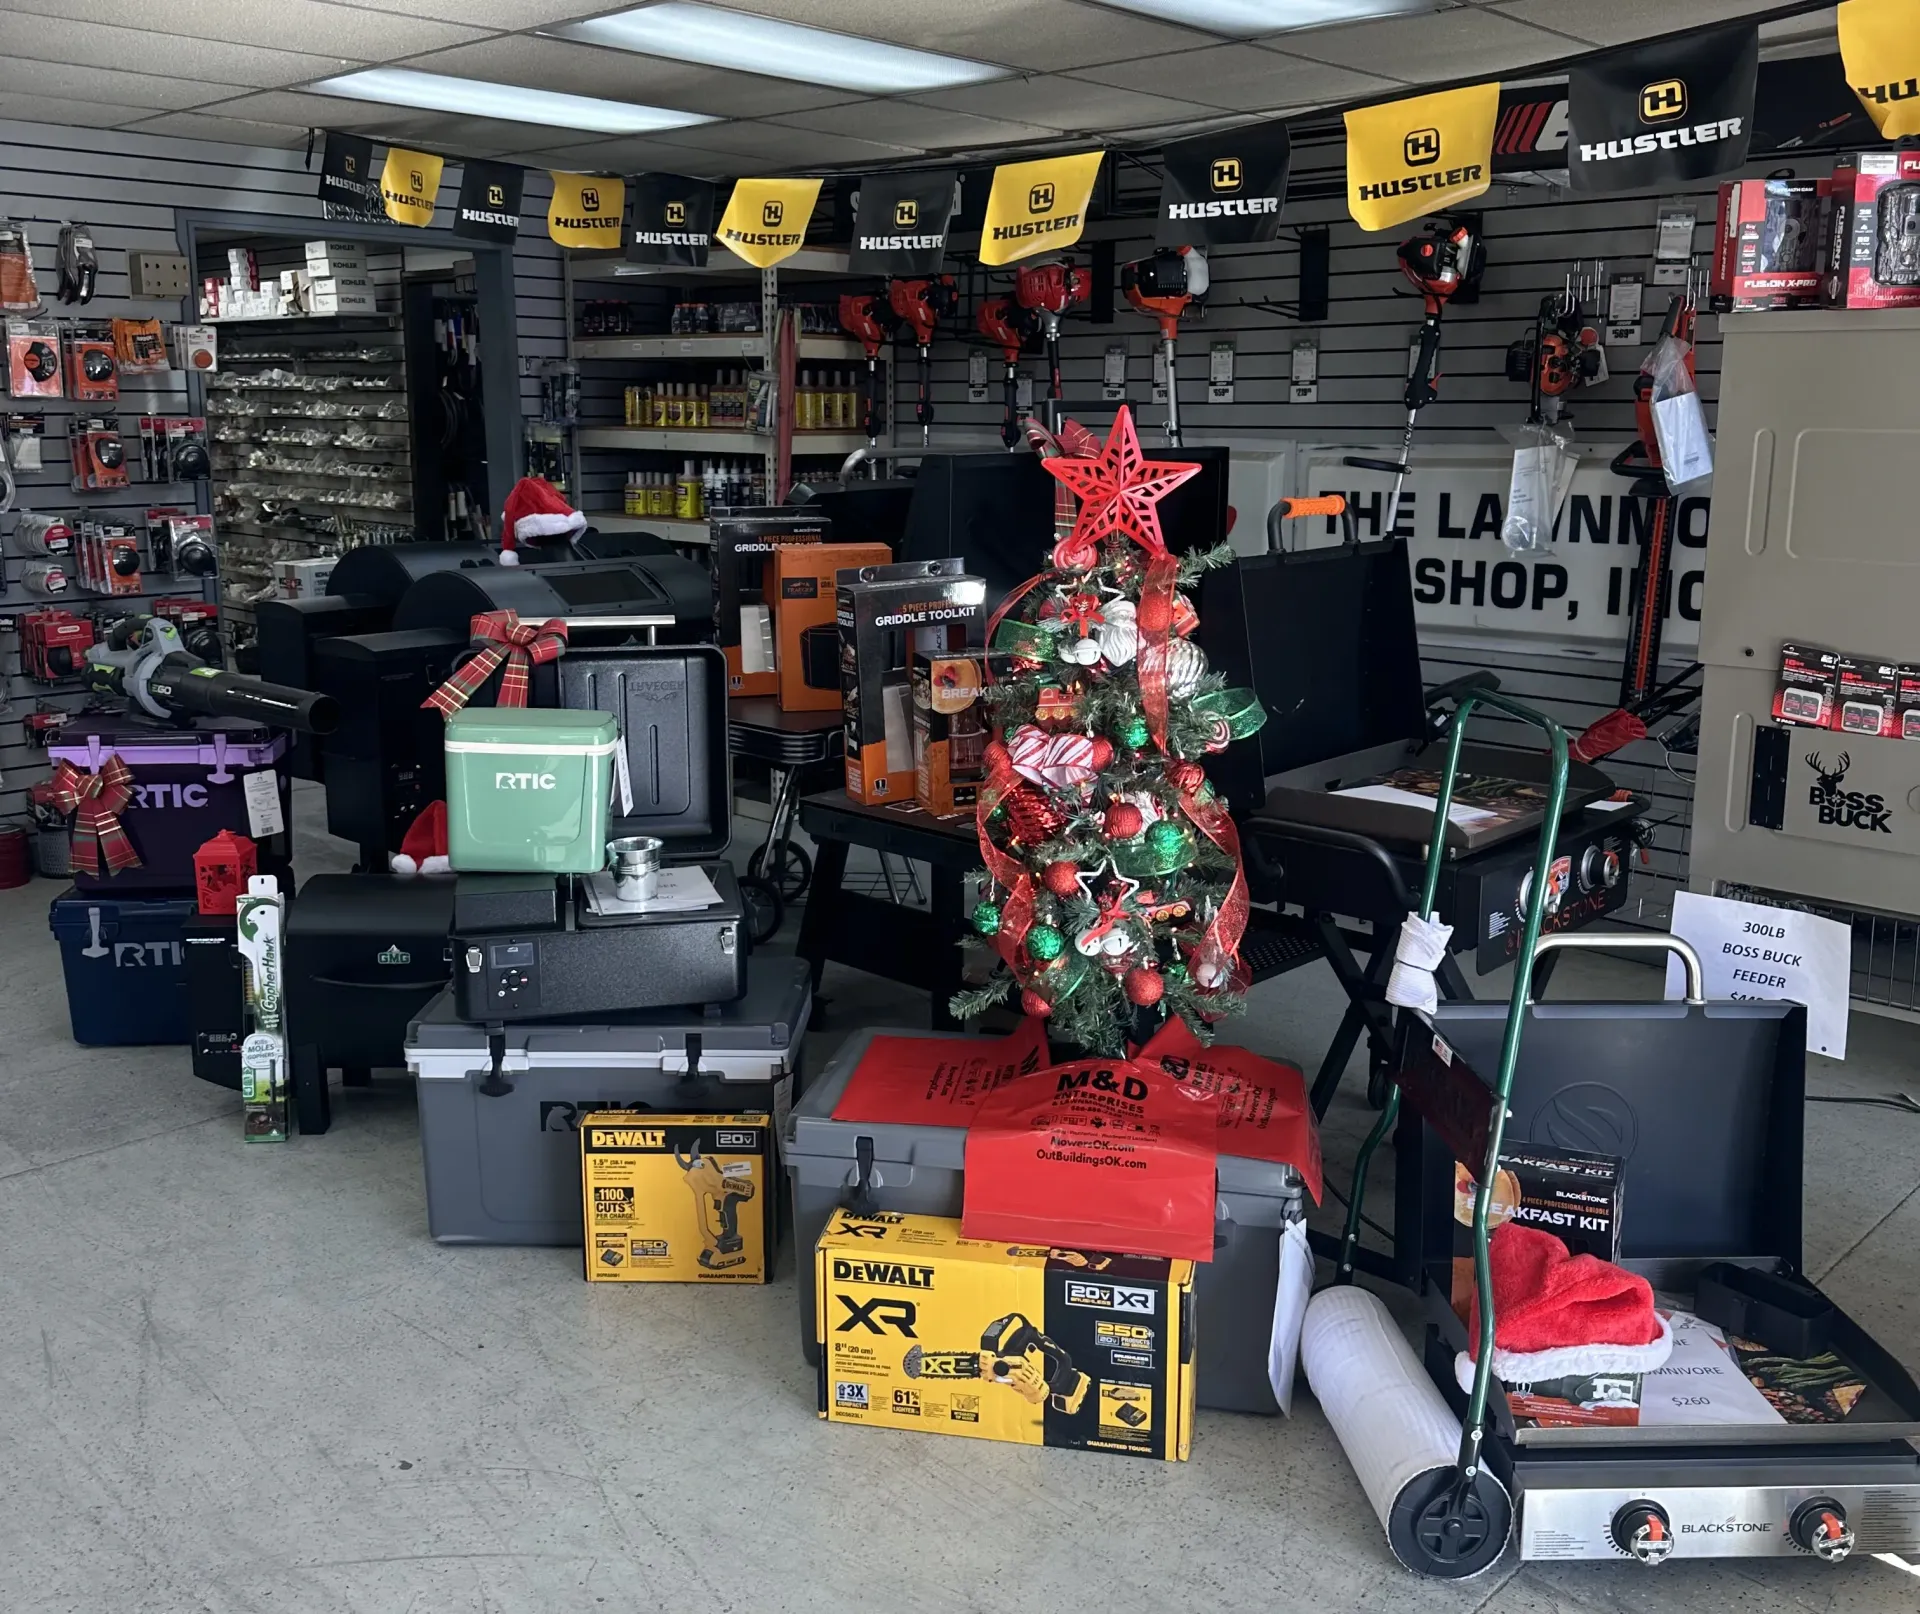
pixel 241 1378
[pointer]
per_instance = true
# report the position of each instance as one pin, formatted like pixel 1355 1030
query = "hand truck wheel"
pixel 1450 1530
pixel 792 870
pixel 1379 1078
pixel 766 911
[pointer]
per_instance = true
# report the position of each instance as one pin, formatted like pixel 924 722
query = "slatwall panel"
pixel 1532 235
pixel 127 187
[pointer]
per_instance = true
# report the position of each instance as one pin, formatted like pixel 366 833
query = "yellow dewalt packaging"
pixel 922 1329
pixel 677 1198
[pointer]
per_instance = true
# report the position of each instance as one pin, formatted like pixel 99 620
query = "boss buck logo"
pixel 524 781
pixel 1866 811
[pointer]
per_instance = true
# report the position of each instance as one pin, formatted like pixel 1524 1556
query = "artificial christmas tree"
pixel 1116 895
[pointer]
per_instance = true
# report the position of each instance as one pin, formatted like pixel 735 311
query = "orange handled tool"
pixel 1328 504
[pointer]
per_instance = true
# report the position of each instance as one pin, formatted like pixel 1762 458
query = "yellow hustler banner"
pixel 1422 155
pixel 587 210
pixel 408 185
pixel 1038 206
pixel 766 219
pixel 1880 47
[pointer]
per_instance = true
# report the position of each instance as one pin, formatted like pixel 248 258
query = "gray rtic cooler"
pixel 499 1140
pixel 921 1169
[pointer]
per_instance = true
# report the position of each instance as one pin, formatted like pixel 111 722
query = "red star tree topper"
pixel 1118 491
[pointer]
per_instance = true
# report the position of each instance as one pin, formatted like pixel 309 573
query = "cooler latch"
pixel 496 1085
pixel 859 1197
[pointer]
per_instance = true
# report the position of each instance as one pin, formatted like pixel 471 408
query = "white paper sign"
pixel 1769 955
pixel 1113 372
pixel 262 791
pixel 1700 1382
pixel 1290 1298
pixel 1220 373
pixel 976 378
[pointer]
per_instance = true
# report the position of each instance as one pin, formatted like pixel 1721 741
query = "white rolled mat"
pixel 1390 1418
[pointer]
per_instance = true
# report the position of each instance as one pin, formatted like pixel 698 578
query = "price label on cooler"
pixel 264 816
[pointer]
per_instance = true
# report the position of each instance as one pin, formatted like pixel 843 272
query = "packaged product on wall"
pixel 33 358
pixel 1809 679
pixel 1867 694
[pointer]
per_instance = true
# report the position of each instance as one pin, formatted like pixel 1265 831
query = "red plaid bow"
pixel 95 800
pixel 507 638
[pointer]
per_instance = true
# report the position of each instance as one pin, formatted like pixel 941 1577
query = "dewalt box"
pixel 923 1329
pixel 677 1198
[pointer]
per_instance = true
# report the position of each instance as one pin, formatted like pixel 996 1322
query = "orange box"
pixel 801 589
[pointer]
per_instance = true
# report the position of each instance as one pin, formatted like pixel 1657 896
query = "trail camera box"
pixel 1768 245
pixel 673 1198
pixel 1873 231
pixel 800 589
pixel 741 542
pixel 922 1329
pixel 886 614
pixel 949 729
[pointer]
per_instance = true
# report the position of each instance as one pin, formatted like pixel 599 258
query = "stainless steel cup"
pixel 635 861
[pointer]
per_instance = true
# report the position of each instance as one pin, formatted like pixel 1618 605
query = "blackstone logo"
pixel 1692 134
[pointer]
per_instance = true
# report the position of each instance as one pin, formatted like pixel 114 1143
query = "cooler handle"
pixel 1689 959
pixel 221 774
pixel 496 1085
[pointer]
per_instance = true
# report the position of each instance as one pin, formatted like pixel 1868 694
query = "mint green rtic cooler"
pixel 528 790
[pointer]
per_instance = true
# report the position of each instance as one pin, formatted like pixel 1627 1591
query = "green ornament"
pixel 1169 845
pixel 1045 943
pixel 998 815
pixel 1136 734
pixel 986 918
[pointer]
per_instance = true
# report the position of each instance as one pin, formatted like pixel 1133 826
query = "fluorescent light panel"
pixel 479 98
pixel 714 37
pixel 1247 18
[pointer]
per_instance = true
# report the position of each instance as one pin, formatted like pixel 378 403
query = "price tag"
pixel 1023 392
pixel 1304 383
pixel 1624 298
pixel 1159 375
pixel 1220 373
pixel 976 378
pixel 622 778
pixel 1113 373
pixel 1673 245
pixel 264 816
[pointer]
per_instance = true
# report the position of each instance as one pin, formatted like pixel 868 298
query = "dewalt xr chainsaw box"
pixel 922 1329
pixel 677 1198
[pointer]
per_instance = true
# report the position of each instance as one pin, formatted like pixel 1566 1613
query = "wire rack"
pixel 1886 946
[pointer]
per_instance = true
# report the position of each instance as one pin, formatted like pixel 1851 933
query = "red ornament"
pixel 1124 821
pixel 1154 614
pixel 1102 752
pixel 1054 705
pixel 1185 617
pixel 1061 878
pixel 1118 491
pixel 1144 986
pixel 1031 817
pixel 1186 777
pixel 996 756
pixel 1031 1002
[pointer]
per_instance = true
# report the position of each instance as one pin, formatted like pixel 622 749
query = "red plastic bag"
pixel 1100 1154
pixel 1264 1113
pixel 936 1081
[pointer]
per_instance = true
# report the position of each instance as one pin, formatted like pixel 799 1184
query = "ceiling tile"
pixel 305 25
pixel 56 80
pixel 229 131
pixel 64 111
pixel 618 75
pixel 1423 48
pixel 633 154
pixel 436 131
pixel 1067 104
pixel 1239 79
pixel 1621 22
pixel 1045 37
pixel 907 123
pixel 779 150
pixel 501 14
pixel 54 39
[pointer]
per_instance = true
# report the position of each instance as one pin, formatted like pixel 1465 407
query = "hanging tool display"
pixel 868 319
pixel 1564 350
pixel 1164 287
pixel 1048 290
pixel 921 305
pixel 1640 460
pixel 1445 257
pixel 1007 325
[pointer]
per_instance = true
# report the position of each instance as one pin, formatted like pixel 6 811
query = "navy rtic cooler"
pixel 126 967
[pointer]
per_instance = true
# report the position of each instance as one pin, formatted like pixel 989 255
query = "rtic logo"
pixel 1226 174
pixel 1846 809
pixel 1040 198
pixel 524 781
pixel 393 955
pixel 879 1314
pixel 589 199
pixel 906 213
pixel 1887 94
pixel 146 955
pixel 1421 148
pixel 1110 1297
pixel 1662 102
pixel 676 212
pixel 892 1274
pixel 772 213
pixel 496 196
pixel 169 795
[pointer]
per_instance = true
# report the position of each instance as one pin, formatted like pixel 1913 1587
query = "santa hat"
pixel 535 511
pixel 1561 1316
pixel 423 850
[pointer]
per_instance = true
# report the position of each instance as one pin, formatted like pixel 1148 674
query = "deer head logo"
pixel 1830 778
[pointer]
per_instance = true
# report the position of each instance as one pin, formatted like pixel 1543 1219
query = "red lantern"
pixel 221 869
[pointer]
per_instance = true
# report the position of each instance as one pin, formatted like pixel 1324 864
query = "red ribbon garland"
pixel 1156 608
pixel 96 800
pixel 1219 944
pixel 519 644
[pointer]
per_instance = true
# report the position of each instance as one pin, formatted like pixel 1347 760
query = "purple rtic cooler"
pixel 188 785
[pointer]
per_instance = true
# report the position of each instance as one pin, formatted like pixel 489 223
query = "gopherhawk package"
pixel 1664 113
pixel 672 221
pixel 677 1198
pixel 1224 189
pixel 1421 155
pixel 900 227
pixel 920 1328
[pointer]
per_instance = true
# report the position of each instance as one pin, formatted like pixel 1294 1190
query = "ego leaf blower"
pixel 1048 290
pixel 869 321
pixel 1007 325
pixel 145 662
pixel 1165 286
pixel 1442 259
pixel 921 305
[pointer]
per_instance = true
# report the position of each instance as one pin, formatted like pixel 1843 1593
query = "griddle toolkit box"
pixel 886 614
pixel 922 1329
pixel 672 1198
pixel 742 541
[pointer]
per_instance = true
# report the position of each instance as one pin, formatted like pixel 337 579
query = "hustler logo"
pixel 906 213
pixel 676 212
pixel 524 781
pixel 1663 102
pixel 1040 198
pixel 676 234
pixel 1692 134
pixel 1421 148
pixel 772 213
pixel 1886 94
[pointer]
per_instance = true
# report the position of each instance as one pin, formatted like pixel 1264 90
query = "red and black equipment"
pixel 1007 325
pixel 1048 290
pixel 1445 257
pixel 1164 287
pixel 54 645
pixel 921 305
pixel 869 321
